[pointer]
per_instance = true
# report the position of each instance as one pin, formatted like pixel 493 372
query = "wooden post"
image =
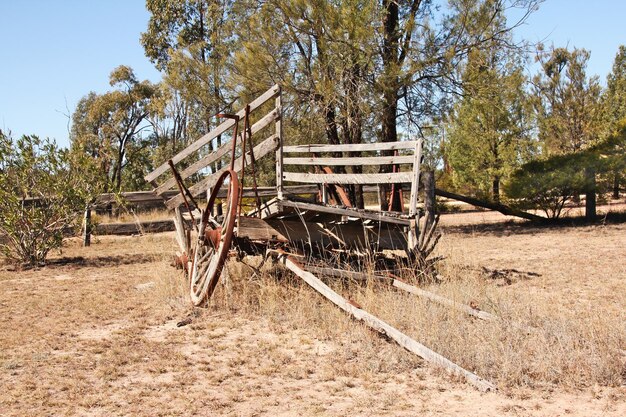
pixel 428 180
pixel 87 226
pixel 415 180
pixel 279 151
pixel 590 194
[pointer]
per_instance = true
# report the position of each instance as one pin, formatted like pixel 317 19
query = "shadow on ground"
pixel 509 227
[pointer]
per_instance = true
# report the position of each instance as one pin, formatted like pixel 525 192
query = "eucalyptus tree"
pixel 110 128
pixel 192 42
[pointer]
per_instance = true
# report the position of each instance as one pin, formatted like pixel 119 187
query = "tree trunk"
pixel 496 189
pixel 616 185
pixel 590 194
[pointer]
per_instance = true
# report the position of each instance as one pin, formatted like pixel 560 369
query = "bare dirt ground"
pixel 95 334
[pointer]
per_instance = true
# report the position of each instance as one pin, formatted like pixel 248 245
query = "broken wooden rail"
pixel 483 315
pixel 382 327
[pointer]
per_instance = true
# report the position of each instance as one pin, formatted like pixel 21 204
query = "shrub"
pixel 41 197
pixel 548 184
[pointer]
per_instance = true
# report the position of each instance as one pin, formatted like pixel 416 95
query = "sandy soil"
pixel 95 334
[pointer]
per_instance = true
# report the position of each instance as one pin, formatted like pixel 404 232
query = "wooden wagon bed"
pixel 304 171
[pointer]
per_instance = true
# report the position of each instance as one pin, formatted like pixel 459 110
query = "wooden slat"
pixel 223 127
pixel 384 178
pixel 257 229
pixel 382 327
pixel 361 147
pixel 363 214
pixel 262 149
pixel 281 142
pixel 483 315
pixel 214 156
pixel 362 276
pixel 351 161
pixel 134 228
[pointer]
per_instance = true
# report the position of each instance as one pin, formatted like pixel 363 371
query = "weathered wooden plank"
pixel 223 127
pixel 214 156
pixel 413 229
pixel 483 315
pixel 281 142
pixel 133 197
pixel 363 214
pixel 257 229
pixel 362 276
pixel 134 228
pixel 196 166
pixel 351 161
pixel 180 231
pixel 262 149
pixel 382 327
pixel 384 178
pixel 415 177
pixel 360 147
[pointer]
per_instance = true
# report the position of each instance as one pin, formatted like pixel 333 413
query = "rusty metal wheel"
pixel 214 241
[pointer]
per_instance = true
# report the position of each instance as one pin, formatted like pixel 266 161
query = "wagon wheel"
pixel 213 243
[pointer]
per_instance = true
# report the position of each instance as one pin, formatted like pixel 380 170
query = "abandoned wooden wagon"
pixel 306 220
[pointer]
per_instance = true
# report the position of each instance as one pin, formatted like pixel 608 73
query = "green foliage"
pixel 108 128
pixel 490 128
pixel 567 101
pixel 42 195
pixel 550 183
pixel 614 97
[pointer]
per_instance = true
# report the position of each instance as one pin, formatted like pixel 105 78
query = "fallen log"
pixel 506 210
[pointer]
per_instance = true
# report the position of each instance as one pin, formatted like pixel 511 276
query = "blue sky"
pixel 55 52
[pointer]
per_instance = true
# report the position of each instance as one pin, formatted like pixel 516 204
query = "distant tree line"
pixel 362 71
pixel 355 71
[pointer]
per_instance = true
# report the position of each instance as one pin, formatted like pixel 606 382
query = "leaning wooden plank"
pixel 370 215
pixel 196 166
pixel 483 315
pixel 385 178
pixel 262 149
pixel 272 92
pixel 353 161
pixel 377 324
pixel 360 147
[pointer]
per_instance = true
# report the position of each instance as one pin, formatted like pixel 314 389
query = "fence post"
pixel 428 180
pixel 87 226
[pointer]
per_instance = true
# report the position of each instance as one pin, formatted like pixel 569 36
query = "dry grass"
pixel 95 334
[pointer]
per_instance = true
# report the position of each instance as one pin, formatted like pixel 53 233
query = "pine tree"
pixel 489 134
pixel 614 106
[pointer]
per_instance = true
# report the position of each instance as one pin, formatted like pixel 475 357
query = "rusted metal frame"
pixel 184 191
pixel 236 118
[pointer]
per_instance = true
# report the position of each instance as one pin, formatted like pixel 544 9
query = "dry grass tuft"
pixel 535 344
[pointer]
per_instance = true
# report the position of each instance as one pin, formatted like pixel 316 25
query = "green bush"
pixel 548 184
pixel 41 197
